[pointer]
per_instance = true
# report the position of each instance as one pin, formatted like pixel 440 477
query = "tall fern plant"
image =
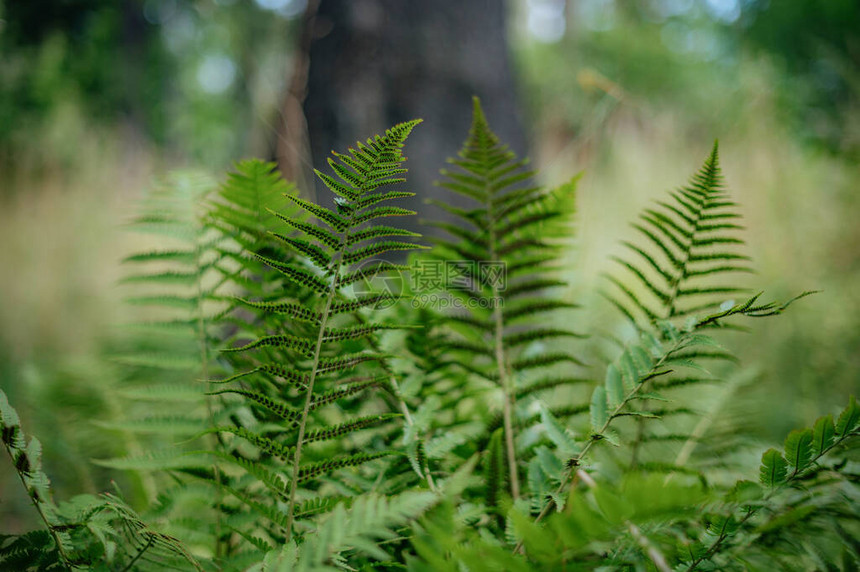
pixel 190 284
pixel 321 334
pixel 503 262
pixel 175 286
pixel 686 267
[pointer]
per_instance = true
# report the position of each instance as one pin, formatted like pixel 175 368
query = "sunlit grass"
pixel 799 206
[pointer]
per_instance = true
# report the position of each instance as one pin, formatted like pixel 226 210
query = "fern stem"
pixel 501 363
pixel 60 550
pixel 139 554
pixel 508 410
pixel 297 457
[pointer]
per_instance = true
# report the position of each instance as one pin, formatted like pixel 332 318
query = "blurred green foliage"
pixel 199 80
pixel 818 46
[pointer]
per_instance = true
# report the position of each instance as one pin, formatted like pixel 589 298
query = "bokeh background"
pixel 100 98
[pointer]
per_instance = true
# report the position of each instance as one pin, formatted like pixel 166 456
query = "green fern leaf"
pixel 335 221
pixel 264 443
pixel 495 476
pixel 335 431
pixel 824 433
pixel 798 449
pixel 369 272
pixel 350 390
pixel 313 470
pixel 325 237
pixel 368 518
pixel 311 251
pixel 282 410
pixel 299 276
pixel 849 419
pixel 329 347
pixel 294 343
pixel 614 386
pixel 599 409
pixel 774 469
pixel 684 245
pixel 295 311
pixel 378 231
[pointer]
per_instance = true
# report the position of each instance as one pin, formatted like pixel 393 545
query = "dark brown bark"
pixel 374 63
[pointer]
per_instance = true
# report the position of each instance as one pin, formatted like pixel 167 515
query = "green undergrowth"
pixel 313 387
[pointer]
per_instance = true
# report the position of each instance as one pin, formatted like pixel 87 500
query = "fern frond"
pixel 272 480
pixel 378 231
pixel 506 230
pixel 369 273
pixel 803 453
pixel 355 332
pixel 347 362
pixel 326 349
pixel 296 274
pixel 350 390
pixel 687 249
pixel 324 236
pixel 77 533
pixel 333 220
pixel 311 251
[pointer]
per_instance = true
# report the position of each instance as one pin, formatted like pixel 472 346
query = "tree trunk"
pixel 374 63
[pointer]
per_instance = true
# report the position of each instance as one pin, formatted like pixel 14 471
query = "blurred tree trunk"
pixel 373 63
